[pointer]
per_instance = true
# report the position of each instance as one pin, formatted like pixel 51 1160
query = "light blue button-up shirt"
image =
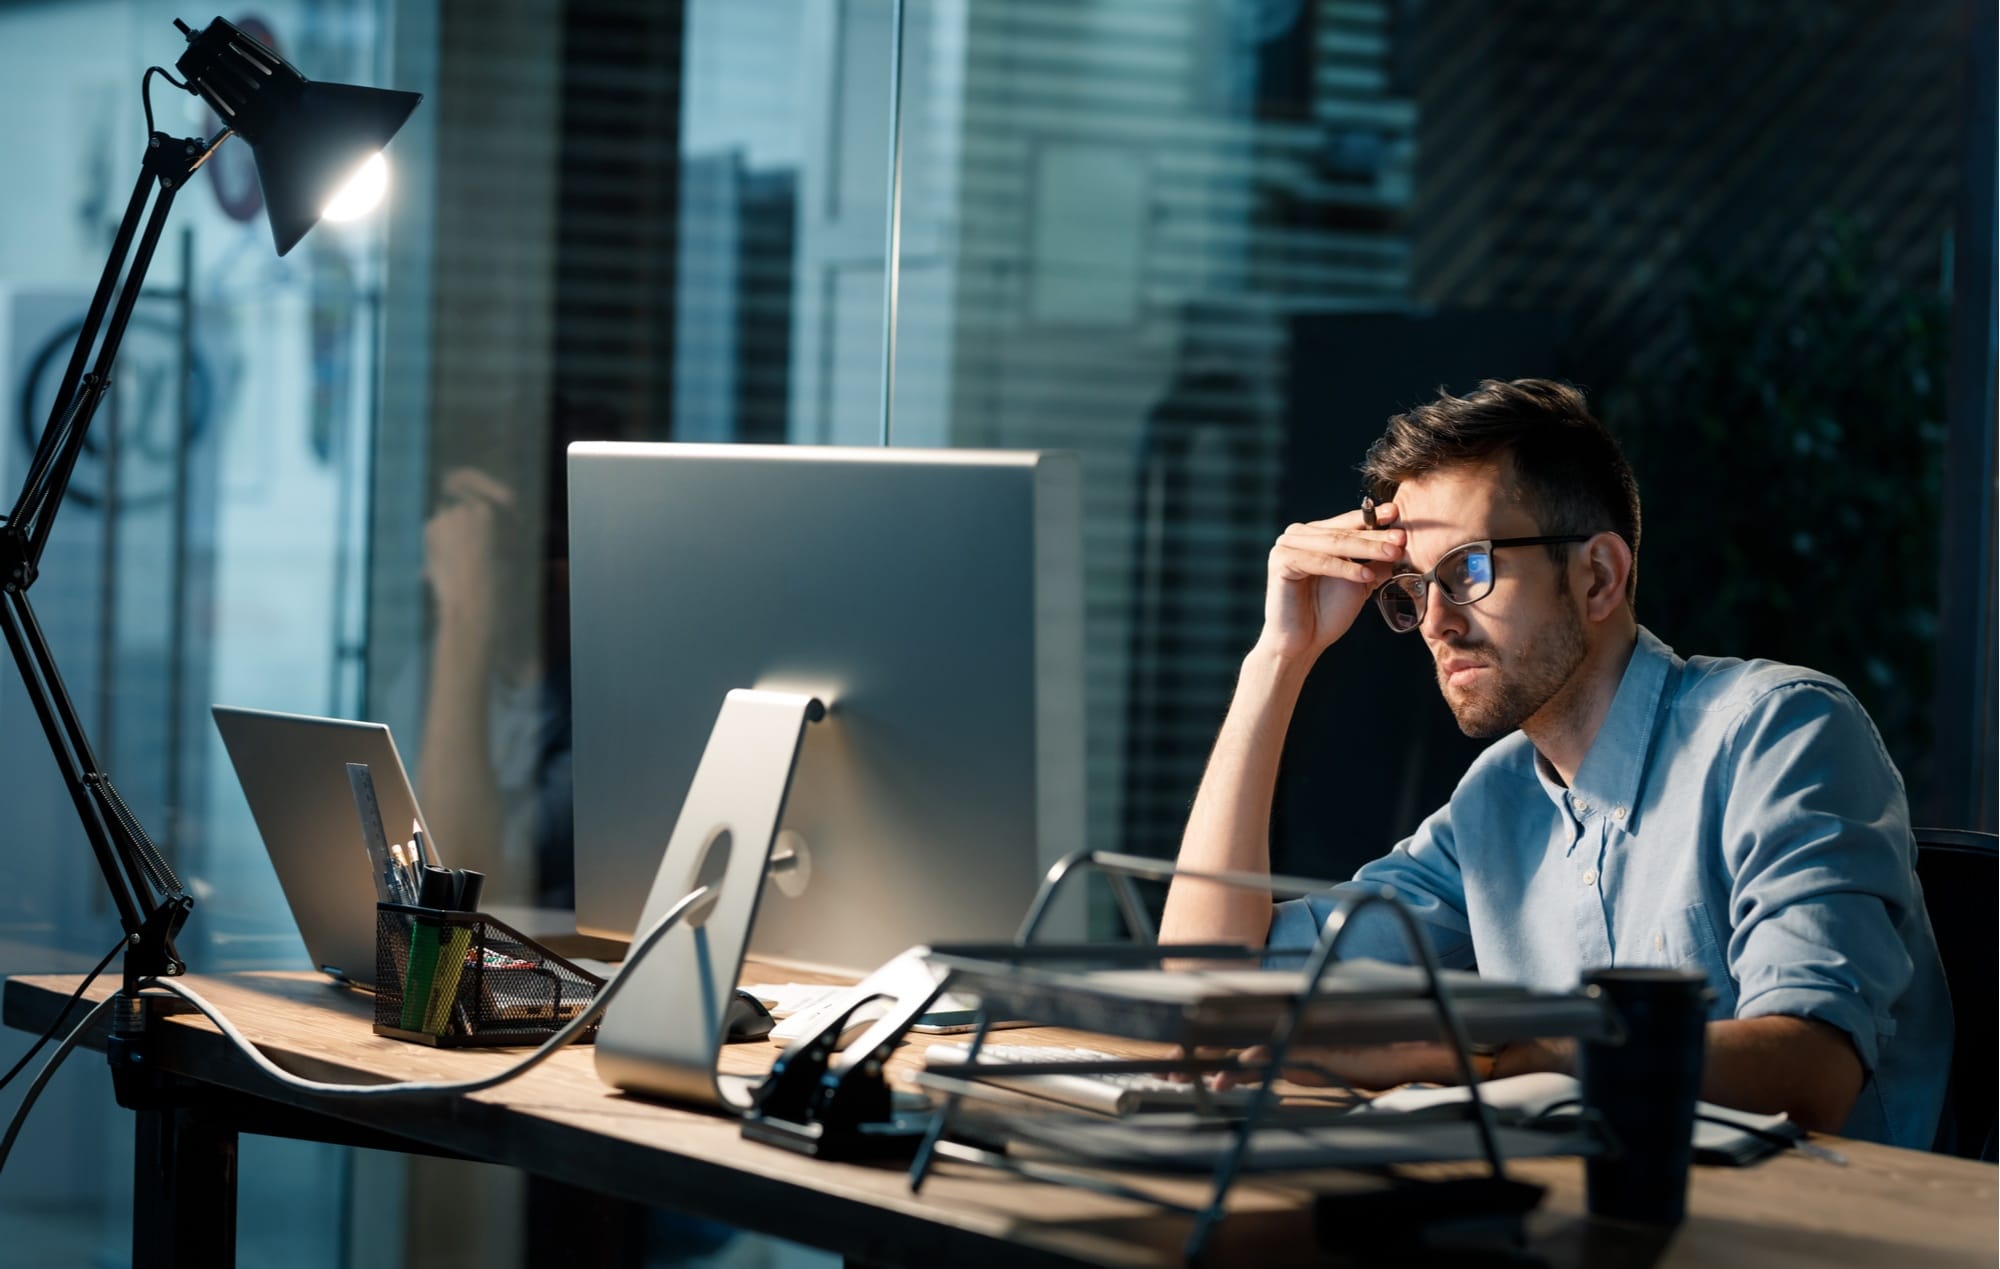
pixel 1739 817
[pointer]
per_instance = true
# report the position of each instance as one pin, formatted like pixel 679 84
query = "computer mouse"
pixel 747 1019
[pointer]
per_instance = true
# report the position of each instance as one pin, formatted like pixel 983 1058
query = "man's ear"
pixel 1607 566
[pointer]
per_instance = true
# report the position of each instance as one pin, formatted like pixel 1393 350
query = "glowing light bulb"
pixel 362 191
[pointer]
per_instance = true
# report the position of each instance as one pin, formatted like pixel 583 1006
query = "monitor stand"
pixel 663 1036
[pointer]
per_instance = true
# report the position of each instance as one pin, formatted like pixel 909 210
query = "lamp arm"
pixel 169 163
pixel 134 870
pixel 62 411
pixel 133 867
pixel 52 705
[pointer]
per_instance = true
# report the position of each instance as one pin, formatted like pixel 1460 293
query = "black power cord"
pixel 42 1077
pixel 61 1017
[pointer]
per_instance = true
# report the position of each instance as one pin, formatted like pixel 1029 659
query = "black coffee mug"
pixel 1644 1088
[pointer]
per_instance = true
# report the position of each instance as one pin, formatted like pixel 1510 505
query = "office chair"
pixel 1958 869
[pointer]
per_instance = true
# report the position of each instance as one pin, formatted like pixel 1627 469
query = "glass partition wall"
pixel 1209 245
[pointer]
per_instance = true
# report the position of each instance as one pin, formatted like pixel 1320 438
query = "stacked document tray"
pixel 1231 1011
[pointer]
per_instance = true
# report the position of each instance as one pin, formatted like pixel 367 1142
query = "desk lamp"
pixel 318 153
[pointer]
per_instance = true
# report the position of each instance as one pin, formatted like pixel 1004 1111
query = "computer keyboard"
pixel 809 1007
pixel 805 1008
pixel 1107 1092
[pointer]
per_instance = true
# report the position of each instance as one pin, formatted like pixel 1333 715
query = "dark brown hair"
pixel 1567 470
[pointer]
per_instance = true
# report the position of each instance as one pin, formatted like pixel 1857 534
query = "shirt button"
pixel 1590 876
pixel 1582 807
pixel 1618 813
pixel 1659 942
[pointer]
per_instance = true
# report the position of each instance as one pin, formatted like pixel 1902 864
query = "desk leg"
pixel 183 1190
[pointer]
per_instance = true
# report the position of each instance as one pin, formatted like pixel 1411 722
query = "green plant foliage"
pixel 1791 470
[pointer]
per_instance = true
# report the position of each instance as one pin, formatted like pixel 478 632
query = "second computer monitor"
pixel 933 600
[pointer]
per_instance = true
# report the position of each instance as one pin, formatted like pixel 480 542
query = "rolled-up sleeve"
pixel 1423 874
pixel 1818 838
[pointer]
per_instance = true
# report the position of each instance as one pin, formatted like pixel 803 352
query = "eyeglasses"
pixel 1464 576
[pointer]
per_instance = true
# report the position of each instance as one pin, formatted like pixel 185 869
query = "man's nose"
pixel 1441 616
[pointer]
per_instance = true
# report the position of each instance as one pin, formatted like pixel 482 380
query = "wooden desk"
pixel 1890 1206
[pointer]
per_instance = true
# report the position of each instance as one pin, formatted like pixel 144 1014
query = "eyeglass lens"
pixel 1465 576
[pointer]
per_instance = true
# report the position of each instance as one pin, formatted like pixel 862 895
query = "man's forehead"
pixel 1458 499
pixel 1450 507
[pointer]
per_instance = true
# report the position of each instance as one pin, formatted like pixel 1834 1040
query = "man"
pixel 1735 817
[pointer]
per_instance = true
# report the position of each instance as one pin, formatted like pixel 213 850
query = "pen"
pixel 393 876
pixel 400 853
pixel 413 867
pixel 426 853
pixel 1368 520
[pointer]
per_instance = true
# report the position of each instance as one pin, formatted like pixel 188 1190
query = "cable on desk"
pixel 68 1005
pixel 426 1088
pixel 640 947
pixel 42 1077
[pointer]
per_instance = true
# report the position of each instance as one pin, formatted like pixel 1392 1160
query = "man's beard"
pixel 1515 692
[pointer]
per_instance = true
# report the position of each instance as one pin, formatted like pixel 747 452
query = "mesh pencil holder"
pixel 460 979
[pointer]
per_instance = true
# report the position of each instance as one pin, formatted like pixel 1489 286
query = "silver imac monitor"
pixel 933 599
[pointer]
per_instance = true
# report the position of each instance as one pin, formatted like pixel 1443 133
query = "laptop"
pixel 293 769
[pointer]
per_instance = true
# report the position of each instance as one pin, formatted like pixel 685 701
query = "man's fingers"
pixel 1382 544
pixel 470 482
pixel 1294 564
pixel 1357 546
pixel 1248 1070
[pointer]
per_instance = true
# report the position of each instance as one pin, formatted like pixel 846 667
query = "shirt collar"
pixel 1608 781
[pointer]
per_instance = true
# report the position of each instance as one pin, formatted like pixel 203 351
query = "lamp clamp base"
pixel 149 950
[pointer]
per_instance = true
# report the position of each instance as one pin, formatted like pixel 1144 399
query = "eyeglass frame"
pixel 1428 579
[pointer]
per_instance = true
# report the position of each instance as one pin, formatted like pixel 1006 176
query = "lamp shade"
pixel 308 138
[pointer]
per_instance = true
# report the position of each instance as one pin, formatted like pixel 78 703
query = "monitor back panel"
pixel 933 599
pixel 293 769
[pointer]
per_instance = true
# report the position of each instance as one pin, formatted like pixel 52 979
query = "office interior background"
pixel 1209 245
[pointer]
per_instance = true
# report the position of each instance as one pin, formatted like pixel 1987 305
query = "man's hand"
pixel 1362 1066
pixel 1320 575
pixel 461 544
pixel 1377 1066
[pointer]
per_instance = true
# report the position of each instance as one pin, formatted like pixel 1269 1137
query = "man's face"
pixel 1500 660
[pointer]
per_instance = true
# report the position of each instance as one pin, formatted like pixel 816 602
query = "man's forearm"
pixel 455 778
pixel 1806 1069
pixel 1229 827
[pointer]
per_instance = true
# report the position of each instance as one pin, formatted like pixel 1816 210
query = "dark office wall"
pixel 1584 157
pixel 1966 791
